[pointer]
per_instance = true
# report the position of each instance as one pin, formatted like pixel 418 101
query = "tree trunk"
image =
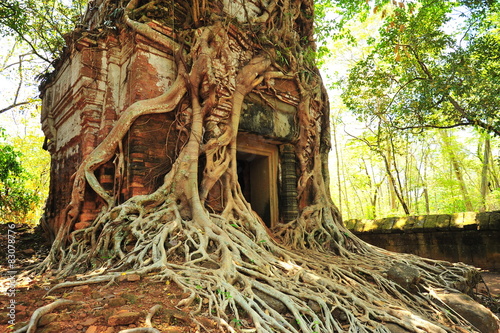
pixel 393 195
pixel 422 182
pixel 374 190
pixel 456 169
pixel 423 179
pixel 338 165
pixel 227 52
pixel 484 171
pixel 395 184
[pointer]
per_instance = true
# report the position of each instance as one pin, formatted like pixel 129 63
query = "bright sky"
pixel 17 121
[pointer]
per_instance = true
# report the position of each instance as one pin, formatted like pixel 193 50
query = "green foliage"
pixel 40 24
pixel 333 16
pixel 493 200
pixel 17 200
pixel 427 176
pixel 433 64
pixel 12 16
pixel 31 31
pixel 402 68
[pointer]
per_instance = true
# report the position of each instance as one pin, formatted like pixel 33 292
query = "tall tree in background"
pixel 326 279
pixel 489 176
pixel 457 168
pixel 426 172
pixel 37 29
pixel 434 64
pixel 40 24
pixel 381 142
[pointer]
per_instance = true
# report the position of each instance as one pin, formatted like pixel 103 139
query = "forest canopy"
pixel 433 64
pixel 422 80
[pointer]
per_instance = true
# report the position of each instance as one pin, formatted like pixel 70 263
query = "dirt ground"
pixel 97 308
pixel 491 287
pixel 110 308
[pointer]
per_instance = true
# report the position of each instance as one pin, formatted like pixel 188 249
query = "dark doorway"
pixel 253 176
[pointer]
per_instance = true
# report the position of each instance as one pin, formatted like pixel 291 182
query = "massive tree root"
pixel 32 325
pixel 310 275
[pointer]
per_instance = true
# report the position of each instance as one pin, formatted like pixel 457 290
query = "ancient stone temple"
pixel 104 70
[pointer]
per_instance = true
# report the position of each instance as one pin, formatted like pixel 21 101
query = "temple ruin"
pixel 101 74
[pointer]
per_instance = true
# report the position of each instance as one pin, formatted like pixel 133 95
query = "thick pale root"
pixel 35 317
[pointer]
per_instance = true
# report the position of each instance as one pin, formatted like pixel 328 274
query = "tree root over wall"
pixel 310 275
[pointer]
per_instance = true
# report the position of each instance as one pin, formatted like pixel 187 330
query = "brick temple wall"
pixel 472 238
pixel 96 79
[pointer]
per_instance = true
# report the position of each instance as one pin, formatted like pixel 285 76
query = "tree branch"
pixel 32 47
pixel 456 105
pixel 14 105
pixel 432 126
pixel 476 122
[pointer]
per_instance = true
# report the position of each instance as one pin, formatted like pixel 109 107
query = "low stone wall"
pixel 472 238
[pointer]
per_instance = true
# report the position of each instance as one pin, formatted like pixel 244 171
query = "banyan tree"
pixel 189 142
